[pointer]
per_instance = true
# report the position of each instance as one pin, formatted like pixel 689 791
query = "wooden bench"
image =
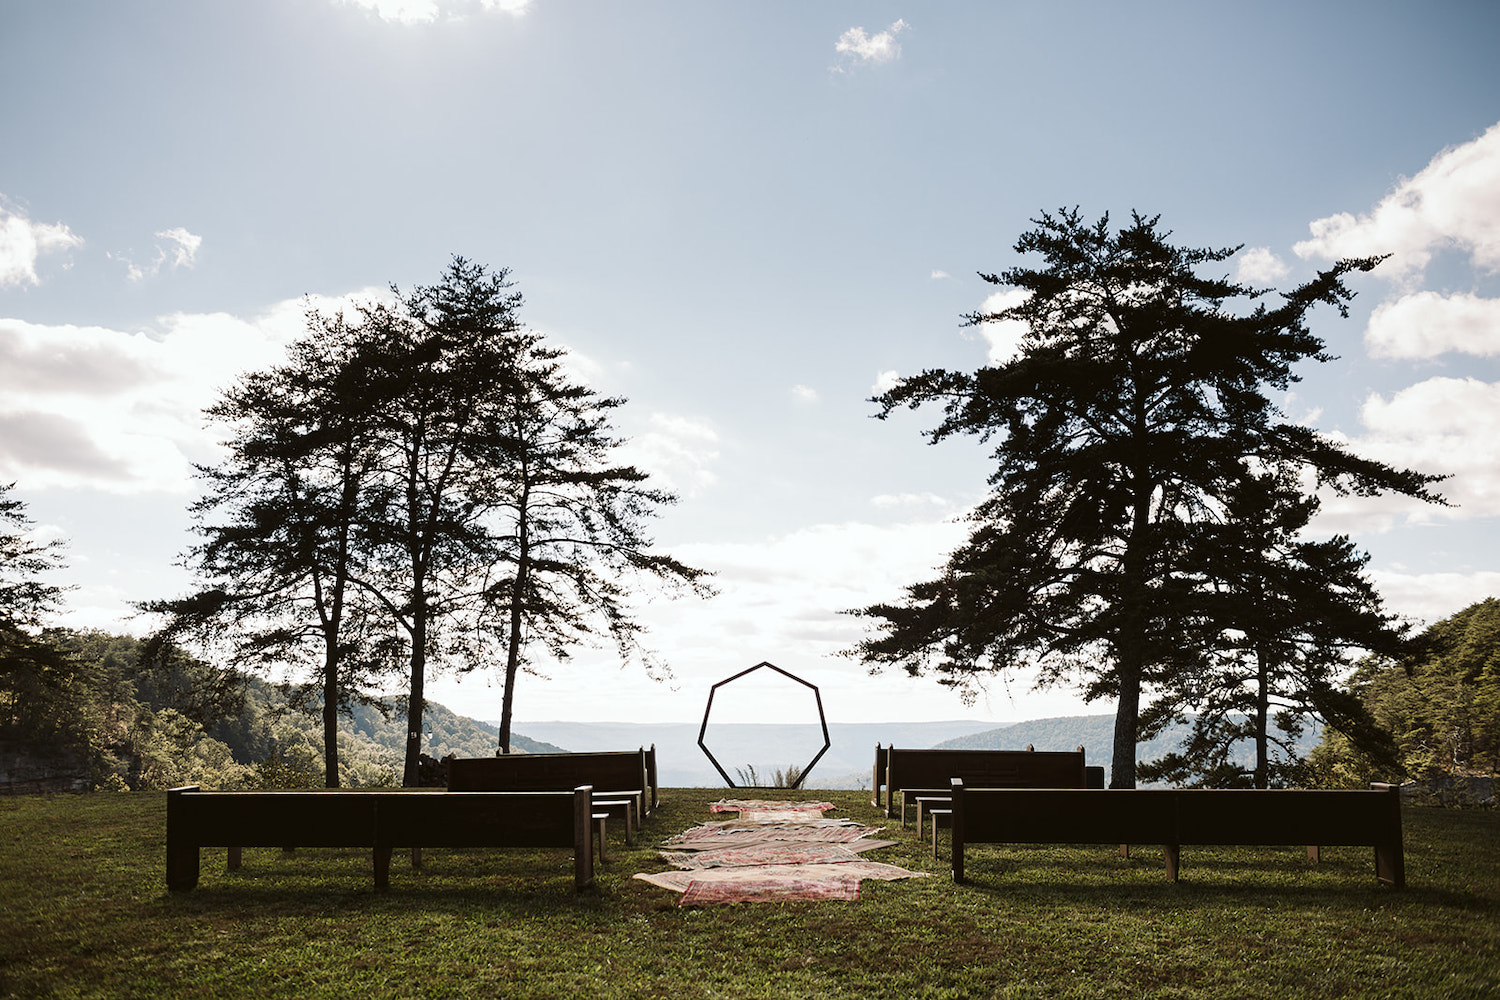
pixel 380 820
pixel 926 773
pixel 617 776
pixel 1173 817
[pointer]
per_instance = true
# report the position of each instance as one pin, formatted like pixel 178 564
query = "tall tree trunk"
pixel 411 775
pixel 1127 715
pixel 512 658
pixel 1130 646
pixel 330 712
pixel 517 605
pixel 1262 717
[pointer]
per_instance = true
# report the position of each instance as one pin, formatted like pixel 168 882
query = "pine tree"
pixel 1139 391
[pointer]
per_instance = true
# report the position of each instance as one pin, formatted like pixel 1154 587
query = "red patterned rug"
pixel 771 811
pixel 776 851
pixel 771 889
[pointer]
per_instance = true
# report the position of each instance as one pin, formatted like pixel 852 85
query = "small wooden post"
pixel 583 836
pixel 957 836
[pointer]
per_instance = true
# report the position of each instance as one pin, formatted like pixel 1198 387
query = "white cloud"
pixel 885 381
pixel 1427 324
pixel 423 11
pixel 185 251
pixel 781 599
pixel 1259 266
pixel 878 48
pixel 1431 597
pixel 789 592
pixel 941 275
pixel 90 407
pixel 908 500
pixel 181 250
pixel 1442 426
pixel 1004 336
pixel 804 393
pixel 678 452
pixel 1454 201
pixel 23 241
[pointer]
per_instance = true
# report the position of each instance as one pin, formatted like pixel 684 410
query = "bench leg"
pixel 416 859
pixel 182 867
pixel 1174 855
pixel 1390 865
pixel 383 867
pixel 1314 853
pixel 234 859
pixel 938 816
pixel 599 821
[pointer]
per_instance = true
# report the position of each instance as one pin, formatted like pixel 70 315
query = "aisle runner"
pixel 773 851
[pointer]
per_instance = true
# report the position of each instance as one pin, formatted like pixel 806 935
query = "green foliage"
pixel 1440 705
pixel 141 717
pixel 420 485
pixel 1291 614
pixel 1140 393
pixel 532 504
pixel 284 545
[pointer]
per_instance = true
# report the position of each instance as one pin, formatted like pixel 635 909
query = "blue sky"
pixel 743 218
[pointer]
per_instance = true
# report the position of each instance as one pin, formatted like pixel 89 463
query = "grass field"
pixel 85 913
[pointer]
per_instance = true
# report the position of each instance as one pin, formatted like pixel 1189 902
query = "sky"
pixel 746 219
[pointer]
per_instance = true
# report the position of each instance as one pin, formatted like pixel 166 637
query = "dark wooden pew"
pixel 928 772
pixel 380 820
pixel 1173 817
pixel 614 775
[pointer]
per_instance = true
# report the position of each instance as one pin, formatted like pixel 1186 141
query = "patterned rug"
pixel 774 852
pixel 752 810
pixel 720 836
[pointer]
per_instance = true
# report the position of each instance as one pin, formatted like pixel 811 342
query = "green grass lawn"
pixel 85 913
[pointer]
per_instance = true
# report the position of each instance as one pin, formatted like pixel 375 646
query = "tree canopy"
pixel 424 483
pixel 1289 614
pixel 1138 398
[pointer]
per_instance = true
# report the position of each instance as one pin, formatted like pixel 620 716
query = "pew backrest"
pixel 1173 817
pixel 934 769
pixel 609 771
pixel 381 820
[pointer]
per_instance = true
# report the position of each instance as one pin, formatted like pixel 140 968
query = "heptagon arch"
pixel 708 712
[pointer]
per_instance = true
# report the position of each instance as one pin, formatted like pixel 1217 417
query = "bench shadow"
pixel 310 879
pixel 1206 877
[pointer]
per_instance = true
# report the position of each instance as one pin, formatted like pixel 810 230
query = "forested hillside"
pixel 93 712
pixel 1439 706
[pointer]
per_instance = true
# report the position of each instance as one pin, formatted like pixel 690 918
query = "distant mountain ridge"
pixel 1096 734
pixel 848 762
